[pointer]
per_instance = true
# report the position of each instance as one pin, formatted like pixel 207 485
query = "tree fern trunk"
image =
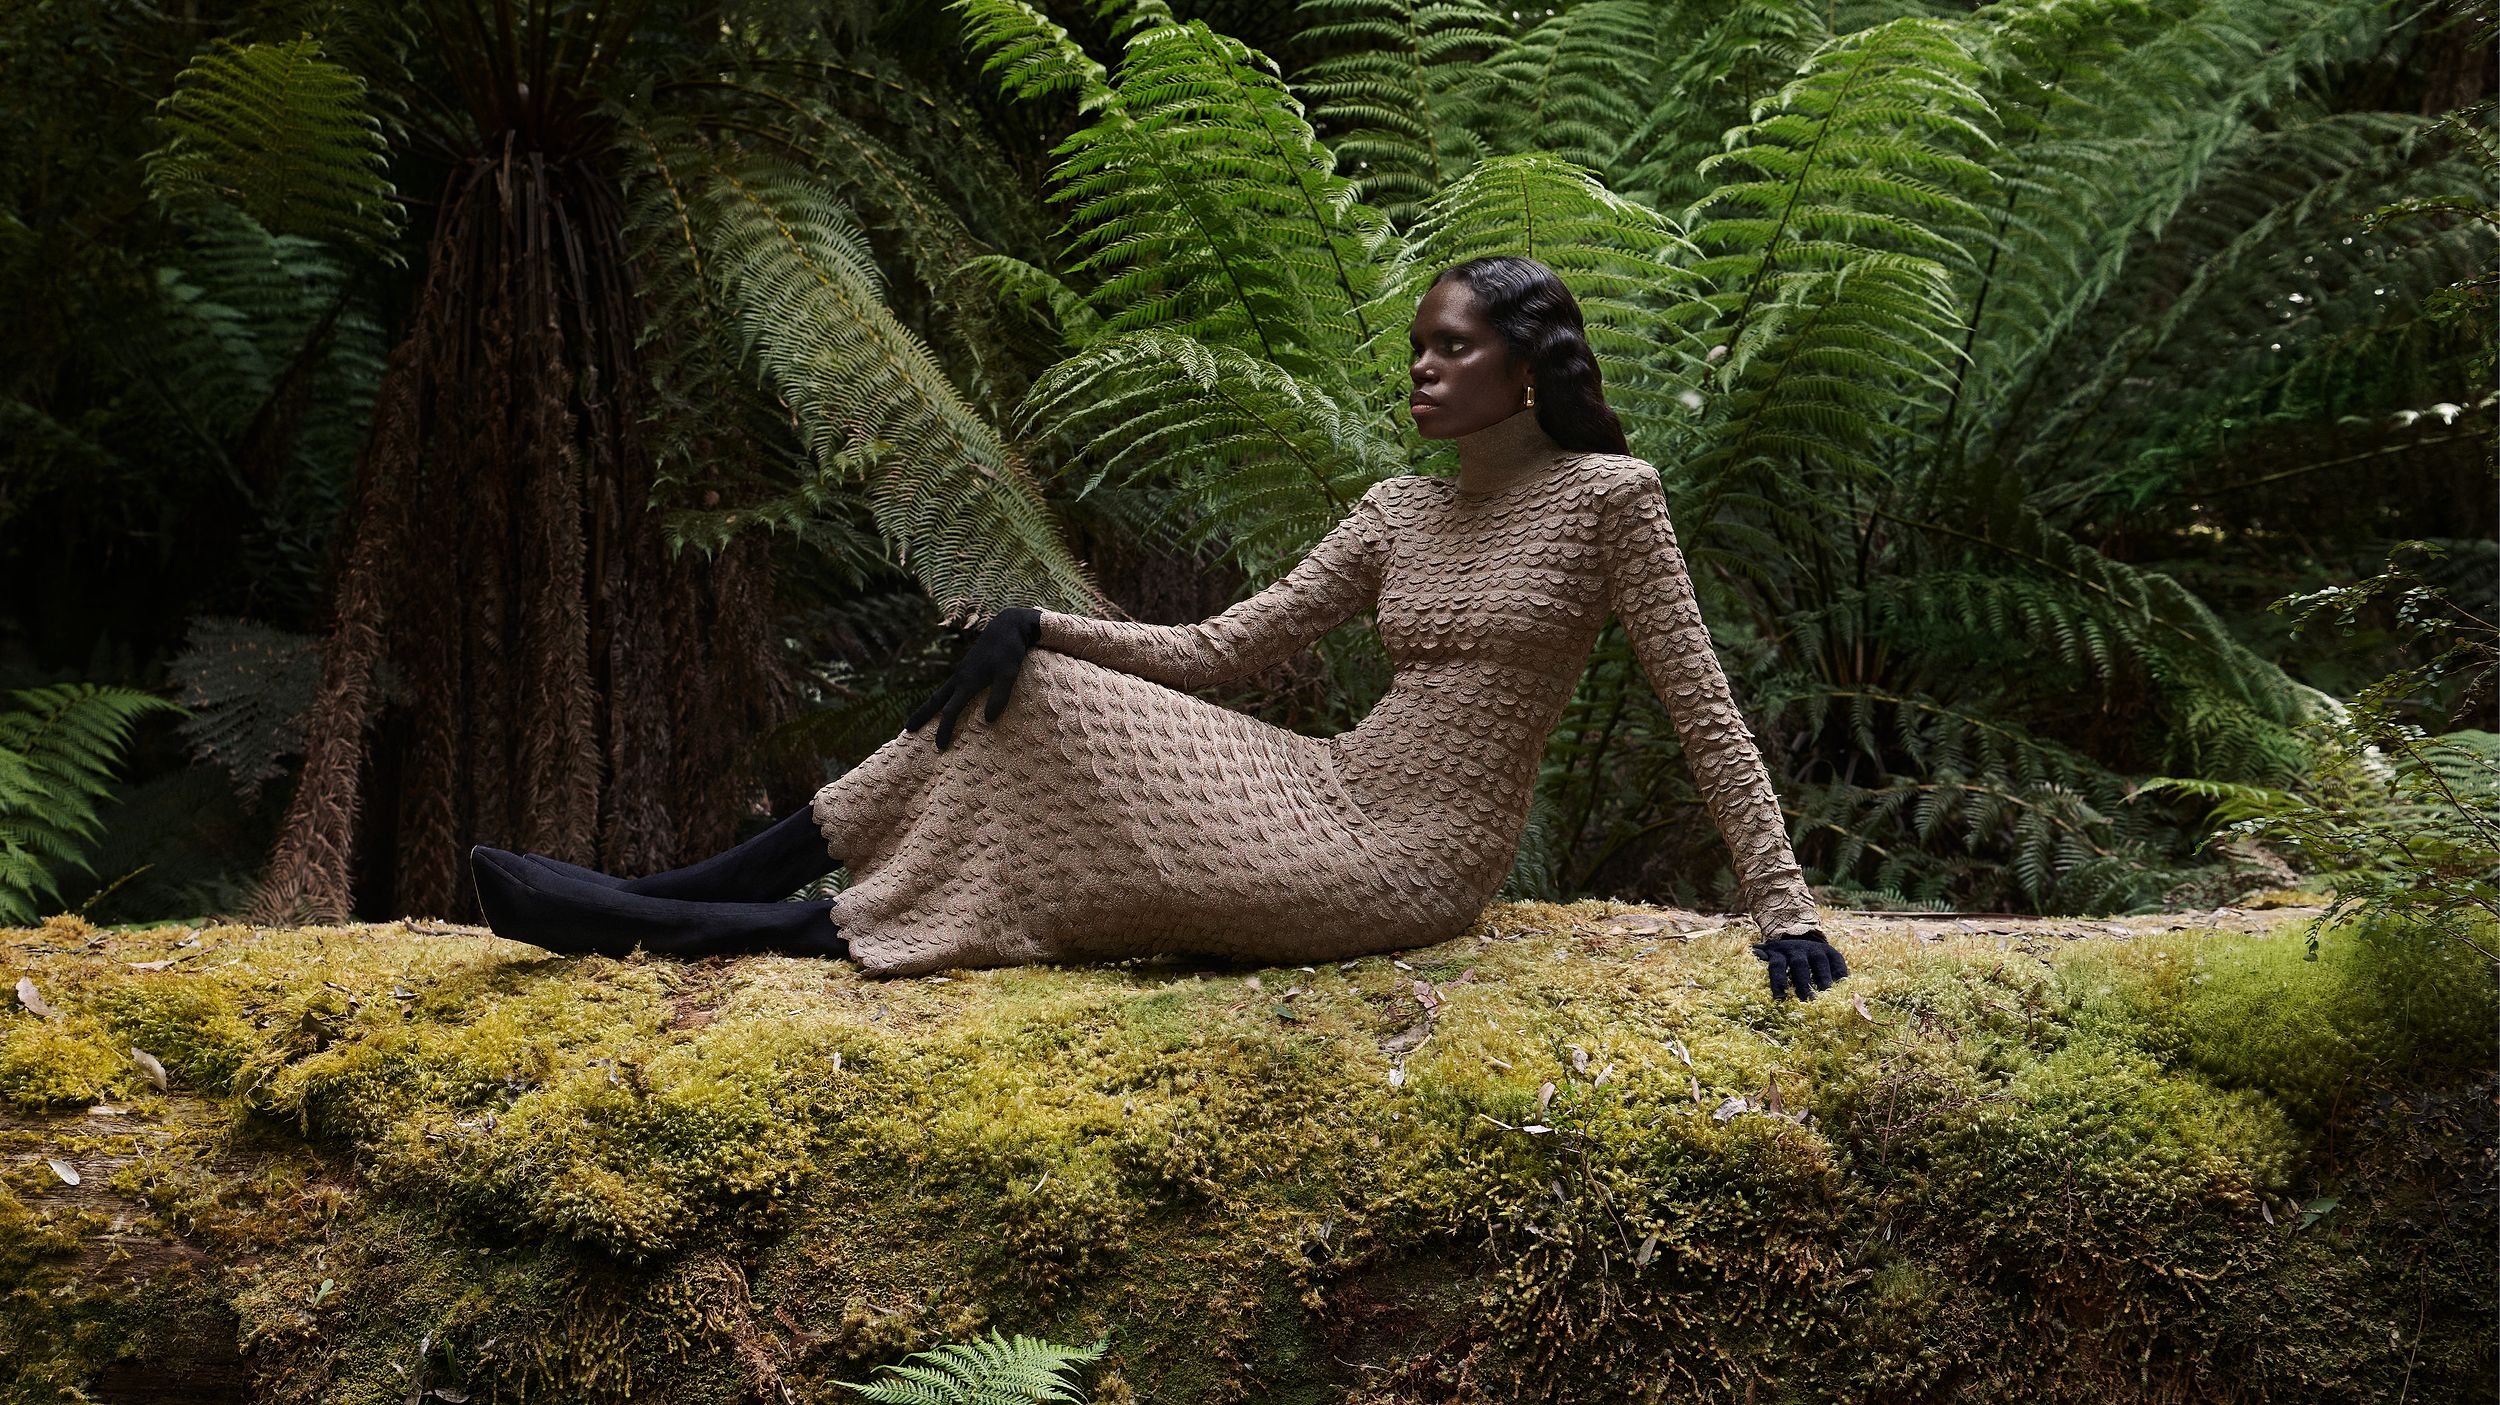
pixel 571 688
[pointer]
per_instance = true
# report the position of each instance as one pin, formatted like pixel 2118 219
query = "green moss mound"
pixel 1565 1158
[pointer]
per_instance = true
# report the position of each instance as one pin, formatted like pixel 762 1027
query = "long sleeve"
pixel 1649 589
pixel 1339 577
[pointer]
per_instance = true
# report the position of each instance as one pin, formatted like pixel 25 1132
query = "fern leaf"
pixel 284 135
pixel 58 748
pixel 995 1370
pixel 1404 95
pixel 959 505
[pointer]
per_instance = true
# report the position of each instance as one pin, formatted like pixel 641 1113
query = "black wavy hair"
pixel 1539 320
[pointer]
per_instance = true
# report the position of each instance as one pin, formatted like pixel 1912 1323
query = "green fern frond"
pixel 1269 460
pixel 2116 118
pixel 996 1370
pixel 958 503
pixel 1204 201
pixel 1831 284
pixel 58 748
pixel 1404 95
pixel 284 135
pixel 1710 74
pixel 1020 284
pixel 1031 54
pixel 1570 86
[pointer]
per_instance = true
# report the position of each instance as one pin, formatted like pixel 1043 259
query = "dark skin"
pixel 1464 378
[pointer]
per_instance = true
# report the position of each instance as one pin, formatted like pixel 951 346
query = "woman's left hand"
pixel 1803 961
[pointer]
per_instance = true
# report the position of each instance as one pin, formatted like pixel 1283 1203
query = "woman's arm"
pixel 1649 589
pixel 1339 577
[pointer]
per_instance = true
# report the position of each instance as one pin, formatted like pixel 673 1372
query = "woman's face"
pixel 1464 377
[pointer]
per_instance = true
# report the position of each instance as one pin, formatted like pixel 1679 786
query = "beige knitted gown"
pixel 1108 813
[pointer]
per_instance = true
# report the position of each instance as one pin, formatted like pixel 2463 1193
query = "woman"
pixel 1109 814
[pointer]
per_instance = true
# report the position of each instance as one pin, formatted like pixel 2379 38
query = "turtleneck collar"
pixel 1504 454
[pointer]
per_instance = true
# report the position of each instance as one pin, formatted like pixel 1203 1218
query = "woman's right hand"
pixel 992 663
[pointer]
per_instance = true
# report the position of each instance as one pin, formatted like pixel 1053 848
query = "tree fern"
pixel 285 135
pixel 1571 85
pixel 58 748
pixel 996 1370
pixel 959 504
pixel 1833 293
pixel 265 357
pixel 1404 94
pixel 1204 203
pixel 2113 118
pixel 1709 73
pixel 1271 461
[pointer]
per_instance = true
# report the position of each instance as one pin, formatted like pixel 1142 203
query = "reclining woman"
pixel 1108 813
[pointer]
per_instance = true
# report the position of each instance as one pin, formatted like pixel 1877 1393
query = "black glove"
pixel 1805 962
pixel 993 662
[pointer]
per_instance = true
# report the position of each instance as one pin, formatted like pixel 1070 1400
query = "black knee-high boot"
pixel 532 904
pixel 772 865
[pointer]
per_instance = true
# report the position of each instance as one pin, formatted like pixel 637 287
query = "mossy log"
pixel 1578 1154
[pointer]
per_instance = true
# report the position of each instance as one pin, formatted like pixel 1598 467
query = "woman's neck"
pixel 1503 453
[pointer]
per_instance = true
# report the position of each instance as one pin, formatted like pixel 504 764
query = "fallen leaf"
pixel 1858 1003
pixel 1426 996
pixel 2265 1209
pixel 1676 1047
pixel 1409 1039
pixel 1544 1098
pixel 1400 964
pixel 1253 983
pixel 450 1396
pixel 1603 1074
pixel 1536 1129
pixel 32 999
pixel 1648 1251
pixel 149 1066
pixel 1291 991
pixel 152 965
pixel 837 1061
pixel 67 1172
pixel 1579 1059
pixel 1730 1108
pixel 1397 1075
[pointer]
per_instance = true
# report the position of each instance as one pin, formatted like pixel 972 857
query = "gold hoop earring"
pixel 1531 397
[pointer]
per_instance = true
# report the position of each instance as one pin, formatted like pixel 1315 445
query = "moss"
pixel 58 1063
pixel 2029 1170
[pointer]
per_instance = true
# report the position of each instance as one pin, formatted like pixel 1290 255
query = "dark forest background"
pixel 566 425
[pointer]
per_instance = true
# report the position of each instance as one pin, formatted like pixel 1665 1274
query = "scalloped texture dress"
pixel 1108 813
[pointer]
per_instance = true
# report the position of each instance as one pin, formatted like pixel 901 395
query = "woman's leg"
pixel 532 904
pixel 772 865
